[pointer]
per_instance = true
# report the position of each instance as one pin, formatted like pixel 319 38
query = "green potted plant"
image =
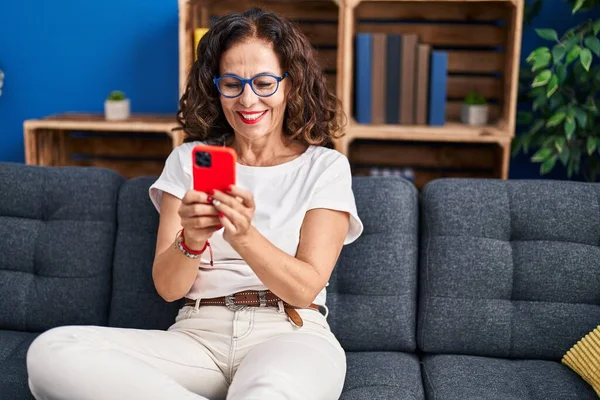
pixel 116 106
pixel 560 87
pixel 474 110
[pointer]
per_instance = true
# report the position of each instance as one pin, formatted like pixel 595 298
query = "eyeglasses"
pixel 264 85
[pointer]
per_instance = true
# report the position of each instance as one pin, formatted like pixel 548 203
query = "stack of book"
pixel 399 80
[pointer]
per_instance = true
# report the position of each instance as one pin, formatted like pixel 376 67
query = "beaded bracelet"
pixel 189 253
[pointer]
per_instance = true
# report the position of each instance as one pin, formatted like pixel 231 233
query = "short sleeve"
pixel 175 178
pixel 333 190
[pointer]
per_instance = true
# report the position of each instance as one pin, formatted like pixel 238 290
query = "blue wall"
pixel 67 55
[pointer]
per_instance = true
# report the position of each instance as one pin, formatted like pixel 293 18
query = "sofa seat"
pixel 13 352
pixel 462 377
pixel 382 376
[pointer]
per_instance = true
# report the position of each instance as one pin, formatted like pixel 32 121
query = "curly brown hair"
pixel 313 115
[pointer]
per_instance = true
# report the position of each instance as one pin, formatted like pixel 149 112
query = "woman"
pixel 251 326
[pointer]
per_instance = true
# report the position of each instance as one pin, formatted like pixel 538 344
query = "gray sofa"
pixel 471 289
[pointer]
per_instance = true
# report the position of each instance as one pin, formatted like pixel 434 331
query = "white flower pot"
pixel 474 114
pixel 116 110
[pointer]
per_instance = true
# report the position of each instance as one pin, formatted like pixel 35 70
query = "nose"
pixel 248 97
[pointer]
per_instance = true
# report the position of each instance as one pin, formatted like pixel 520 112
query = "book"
pixel 198 33
pixel 378 79
pixel 422 84
pixel 438 80
pixel 363 62
pixel 392 77
pixel 407 79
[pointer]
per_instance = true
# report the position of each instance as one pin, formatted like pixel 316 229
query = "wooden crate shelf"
pixel 482 39
pixel 134 147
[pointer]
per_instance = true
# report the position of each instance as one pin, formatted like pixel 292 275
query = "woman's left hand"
pixel 236 209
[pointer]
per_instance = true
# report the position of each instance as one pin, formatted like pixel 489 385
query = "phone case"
pixel 213 168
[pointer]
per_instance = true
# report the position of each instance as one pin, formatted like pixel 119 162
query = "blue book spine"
pixel 364 66
pixel 437 88
pixel 392 94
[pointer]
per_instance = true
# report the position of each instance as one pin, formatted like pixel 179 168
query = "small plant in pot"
pixel 474 110
pixel 116 106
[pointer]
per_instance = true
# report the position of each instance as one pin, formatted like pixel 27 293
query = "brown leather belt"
pixel 253 298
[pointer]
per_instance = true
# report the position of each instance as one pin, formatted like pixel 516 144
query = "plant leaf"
pixel 578 5
pixel 586 58
pixel 552 85
pixel 569 126
pixel 561 73
pixel 541 155
pixel 539 124
pixel 560 143
pixel 556 119
pixel 548 34
pixel 548 165
pixel 581 116
pixel 564 156
pixel 596 26
pixel 542 78
pixel 591 145
pixel 558 52
pixel 524 117
pixel 573 54
pixel 541 61
pixel 593 43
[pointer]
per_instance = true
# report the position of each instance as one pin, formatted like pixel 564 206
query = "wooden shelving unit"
pixel 483 40
pixel 133 147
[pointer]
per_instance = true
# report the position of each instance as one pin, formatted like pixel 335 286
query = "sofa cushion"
pixel 58 226
pixel 372 291
pixel 382 376
pixel 508 268
pixel 135 302
pixel 13 352
pixel 459 377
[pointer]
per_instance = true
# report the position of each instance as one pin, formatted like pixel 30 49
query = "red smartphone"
pixel 213 168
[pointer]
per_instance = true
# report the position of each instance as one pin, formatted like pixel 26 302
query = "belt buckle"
pixel 230 303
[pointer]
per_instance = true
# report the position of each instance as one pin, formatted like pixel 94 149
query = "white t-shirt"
pixel 319 178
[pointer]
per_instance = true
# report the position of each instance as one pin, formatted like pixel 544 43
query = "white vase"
pixel 474 114
pixel 116 110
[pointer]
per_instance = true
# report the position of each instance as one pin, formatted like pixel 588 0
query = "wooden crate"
pixel 427 160
pixel 483 38
pixel 318 19
pixel 483 41
pixel 134 147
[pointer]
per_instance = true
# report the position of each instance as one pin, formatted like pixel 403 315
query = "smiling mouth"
pixel 252 118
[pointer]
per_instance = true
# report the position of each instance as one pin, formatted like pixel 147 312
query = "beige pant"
pixel 210 352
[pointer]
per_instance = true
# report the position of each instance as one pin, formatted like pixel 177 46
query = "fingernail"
pixel 209 199
pixel 230 187
pixel 211 192
pixel 221 215
pixel 219 226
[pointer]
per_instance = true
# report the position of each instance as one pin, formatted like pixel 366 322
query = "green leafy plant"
pixel 116 95
pixel 475 98
pixel 562 85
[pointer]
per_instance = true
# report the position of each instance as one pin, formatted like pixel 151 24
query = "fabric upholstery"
pixel 382 376
pixel 135 302
pixel 508 268
pixel 13 370
pixel 373 289
pixel 460 377
pixel 58 227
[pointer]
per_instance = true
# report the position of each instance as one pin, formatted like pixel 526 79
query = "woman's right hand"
pixel 199 219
